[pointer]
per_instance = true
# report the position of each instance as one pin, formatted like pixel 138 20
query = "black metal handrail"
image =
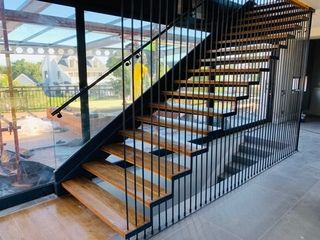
pixel 124 61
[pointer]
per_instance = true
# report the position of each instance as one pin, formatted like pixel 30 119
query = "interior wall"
pixel 286 100
pixel 311 99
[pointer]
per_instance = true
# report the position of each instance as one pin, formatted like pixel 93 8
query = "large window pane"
pixel 40 73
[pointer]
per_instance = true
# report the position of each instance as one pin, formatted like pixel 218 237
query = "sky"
pixel 58 36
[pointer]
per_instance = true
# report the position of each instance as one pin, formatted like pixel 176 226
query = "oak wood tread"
pixel 208 83
pixel 187 148
pixel 206 96
pixel 174 124
pixel 195 111
pixel 255 11
pixel 159 165
pixel 104 205
pixel 270 5
pixel 237 59
pixel 300 5
pixel 246 49
pixel 275 16
pixel 227 71
pixel 265 23
pixel 267 29
pixel 259 39
pixel 144 191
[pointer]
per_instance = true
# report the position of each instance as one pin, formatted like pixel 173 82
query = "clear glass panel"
pixel 43 77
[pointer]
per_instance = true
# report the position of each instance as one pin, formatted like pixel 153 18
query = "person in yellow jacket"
pixel 140 75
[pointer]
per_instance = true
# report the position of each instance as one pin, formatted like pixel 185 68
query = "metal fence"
pixel 40 98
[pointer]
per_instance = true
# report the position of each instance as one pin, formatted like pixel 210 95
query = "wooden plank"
pixel 207 83
pixel 259 39
pixel 301 5
pixel 236 60
pixel 226 71
pixel 148 161
pixel 142 190
pixel 206 96
pixel 104 205
pixel 245 49
pixel 268 29
pixel 266 23
pixel 271 5
pixel 185 109
pixel 272 9
pixel 174 124
pixel 274 16
pixel 187 149
pixel 63 218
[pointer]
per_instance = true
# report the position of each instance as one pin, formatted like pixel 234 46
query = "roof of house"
pixel 24 79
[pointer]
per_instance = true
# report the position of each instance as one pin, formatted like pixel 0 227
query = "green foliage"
pixel 119 75
pixel 30 69
pixel 3 80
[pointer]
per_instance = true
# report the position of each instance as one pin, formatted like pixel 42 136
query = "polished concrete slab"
pixel 282 203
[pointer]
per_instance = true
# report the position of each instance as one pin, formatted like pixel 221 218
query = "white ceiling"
pixel 315 29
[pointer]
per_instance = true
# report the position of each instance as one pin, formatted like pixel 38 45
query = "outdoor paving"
pixel 282 203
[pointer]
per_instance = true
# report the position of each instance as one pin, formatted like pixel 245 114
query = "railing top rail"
pixel 136 52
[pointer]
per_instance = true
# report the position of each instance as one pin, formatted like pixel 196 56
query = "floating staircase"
pixel 242 46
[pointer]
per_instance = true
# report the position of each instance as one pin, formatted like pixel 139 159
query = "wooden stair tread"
pixel 286 28
pixel 270 5
pixel 146 192
pixel 214 83
pixel 275 16
pixel 255 11
pixel 300 5
pixel 173 124
pixel 237 59
pixel 194 111
pixel 208 71
pixel 108 208
pixel 148 161
pixel 201 96
pixel 245 49
pixel 187 148
pixel 264 23
pixel 273 38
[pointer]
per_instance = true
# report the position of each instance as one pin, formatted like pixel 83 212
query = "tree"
pixel 29 69
pixel 3 80
pixel 117 83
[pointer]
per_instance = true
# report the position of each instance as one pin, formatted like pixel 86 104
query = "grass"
pixel 100 104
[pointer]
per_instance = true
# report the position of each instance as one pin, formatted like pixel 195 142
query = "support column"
pixel 82 66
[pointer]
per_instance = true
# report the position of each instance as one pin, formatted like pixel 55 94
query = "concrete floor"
pixel 283 203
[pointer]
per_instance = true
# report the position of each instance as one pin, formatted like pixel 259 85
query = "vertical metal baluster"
pixel 213 159
pixel 123 110
pixel 179 123
pixel 151 100
pixel 159 92
pixel 189 7
pixel 166 120
pixel 142 114
pixel 172 90
pixel 133 97
pixel 204 124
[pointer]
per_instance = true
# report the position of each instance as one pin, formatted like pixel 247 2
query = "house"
pixel 63 70
pixel 24 80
